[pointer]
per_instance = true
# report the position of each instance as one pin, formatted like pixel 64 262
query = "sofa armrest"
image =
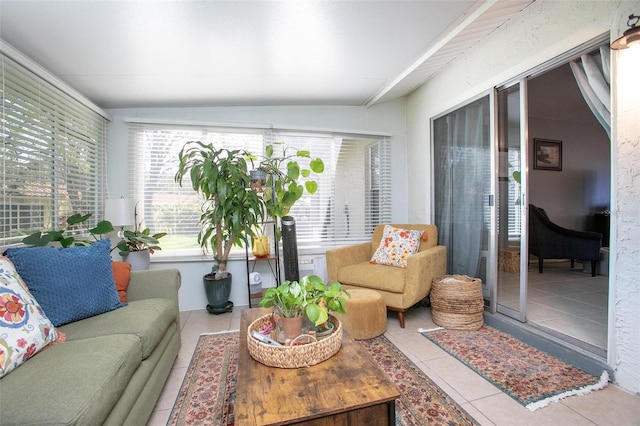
pixel 422 268
pixel 155 283
pixel 344 256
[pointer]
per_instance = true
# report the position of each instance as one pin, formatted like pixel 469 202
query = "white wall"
pixel 388 117
pixel 543 31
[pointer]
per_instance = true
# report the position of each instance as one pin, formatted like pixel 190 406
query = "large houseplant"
pixel 282 176
pixel 230 211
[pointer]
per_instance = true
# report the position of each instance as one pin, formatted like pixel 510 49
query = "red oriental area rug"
pixel 530 376
pixel 207 395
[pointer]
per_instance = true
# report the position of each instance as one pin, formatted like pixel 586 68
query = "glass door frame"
pixel 521 313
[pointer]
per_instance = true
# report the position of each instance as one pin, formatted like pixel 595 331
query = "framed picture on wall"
pixel 547 154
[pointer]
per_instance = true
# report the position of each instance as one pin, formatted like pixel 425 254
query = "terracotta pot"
pixel 261 246
pixel 291 327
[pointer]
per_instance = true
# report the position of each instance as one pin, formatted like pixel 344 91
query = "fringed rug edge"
pixel 601 384
pixel 532 406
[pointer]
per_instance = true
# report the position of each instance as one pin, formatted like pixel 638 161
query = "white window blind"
pixel 353 192
pixel 53 155
pixel 164 206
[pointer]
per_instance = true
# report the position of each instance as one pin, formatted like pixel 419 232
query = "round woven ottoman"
pixel 366 314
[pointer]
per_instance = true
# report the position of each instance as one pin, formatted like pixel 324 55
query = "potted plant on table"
pixel 230 211
pixel 310 297
pixel 136 247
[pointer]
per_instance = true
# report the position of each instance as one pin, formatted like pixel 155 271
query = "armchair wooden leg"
pixel 400 312
pixel 594 264
pixel 539 264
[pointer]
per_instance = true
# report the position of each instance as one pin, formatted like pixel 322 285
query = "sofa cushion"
pixel 377 277
pixel 69 283
pixel 76 382
pixel 396 246
pixel 24 329
pixel 148 319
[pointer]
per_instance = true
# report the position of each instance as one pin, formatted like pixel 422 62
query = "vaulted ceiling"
pixel 224 53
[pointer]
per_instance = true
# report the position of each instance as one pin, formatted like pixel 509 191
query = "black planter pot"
pixel 218 292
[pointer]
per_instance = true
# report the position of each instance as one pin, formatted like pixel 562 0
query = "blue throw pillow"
pixel 69 283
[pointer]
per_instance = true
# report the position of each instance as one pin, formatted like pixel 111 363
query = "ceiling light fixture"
pixel 631 37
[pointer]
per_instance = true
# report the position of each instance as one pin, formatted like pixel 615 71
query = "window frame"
pixel 271 134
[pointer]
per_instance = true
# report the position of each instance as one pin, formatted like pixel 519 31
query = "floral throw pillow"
pixel 24 328
pixel 396 246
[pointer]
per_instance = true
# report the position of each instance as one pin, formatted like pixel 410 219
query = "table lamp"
pixel 120 212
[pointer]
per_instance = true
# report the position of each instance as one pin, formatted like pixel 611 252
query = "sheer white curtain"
pixel 462 170
pixel 591 72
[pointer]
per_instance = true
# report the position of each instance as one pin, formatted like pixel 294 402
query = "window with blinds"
pixel 162 205
pixel 53 155
pixel 353 192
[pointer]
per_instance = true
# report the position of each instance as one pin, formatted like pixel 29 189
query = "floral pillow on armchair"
pixel 396 246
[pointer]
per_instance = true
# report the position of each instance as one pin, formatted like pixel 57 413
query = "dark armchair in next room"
pixel 550 241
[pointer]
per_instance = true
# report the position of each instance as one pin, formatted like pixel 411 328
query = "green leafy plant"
pixel 65 236
pixel 309 296
pixel 139 240
pixel 230 211
pixel 286 179
pixel 517 176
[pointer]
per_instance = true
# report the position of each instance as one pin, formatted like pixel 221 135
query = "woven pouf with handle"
pixel 456 302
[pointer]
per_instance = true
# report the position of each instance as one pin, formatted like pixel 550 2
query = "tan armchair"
pixel 401 288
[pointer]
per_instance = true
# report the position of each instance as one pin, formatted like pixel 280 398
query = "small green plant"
pixel 65 236
pixel 309 296
pixel 139 240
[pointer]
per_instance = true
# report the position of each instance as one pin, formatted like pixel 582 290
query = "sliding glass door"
pixel 462 187
pixel 511 236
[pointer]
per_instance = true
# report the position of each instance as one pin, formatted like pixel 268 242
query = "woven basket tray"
pixel 456 302
pixel 293 356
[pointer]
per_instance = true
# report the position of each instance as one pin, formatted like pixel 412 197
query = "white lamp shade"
pixel 119 211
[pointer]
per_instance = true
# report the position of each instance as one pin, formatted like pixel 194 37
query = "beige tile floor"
pixel 564 300
pixel 486 403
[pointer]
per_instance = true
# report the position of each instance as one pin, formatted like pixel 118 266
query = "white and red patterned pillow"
pixel 396 246
pixel 24 328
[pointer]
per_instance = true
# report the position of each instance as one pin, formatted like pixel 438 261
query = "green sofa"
pixel 111 368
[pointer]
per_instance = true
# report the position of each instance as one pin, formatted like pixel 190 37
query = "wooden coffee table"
pixel 346 389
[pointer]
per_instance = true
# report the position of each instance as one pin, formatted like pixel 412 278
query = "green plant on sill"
pixel 138 241
pixel 61 236
pixel 310 296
